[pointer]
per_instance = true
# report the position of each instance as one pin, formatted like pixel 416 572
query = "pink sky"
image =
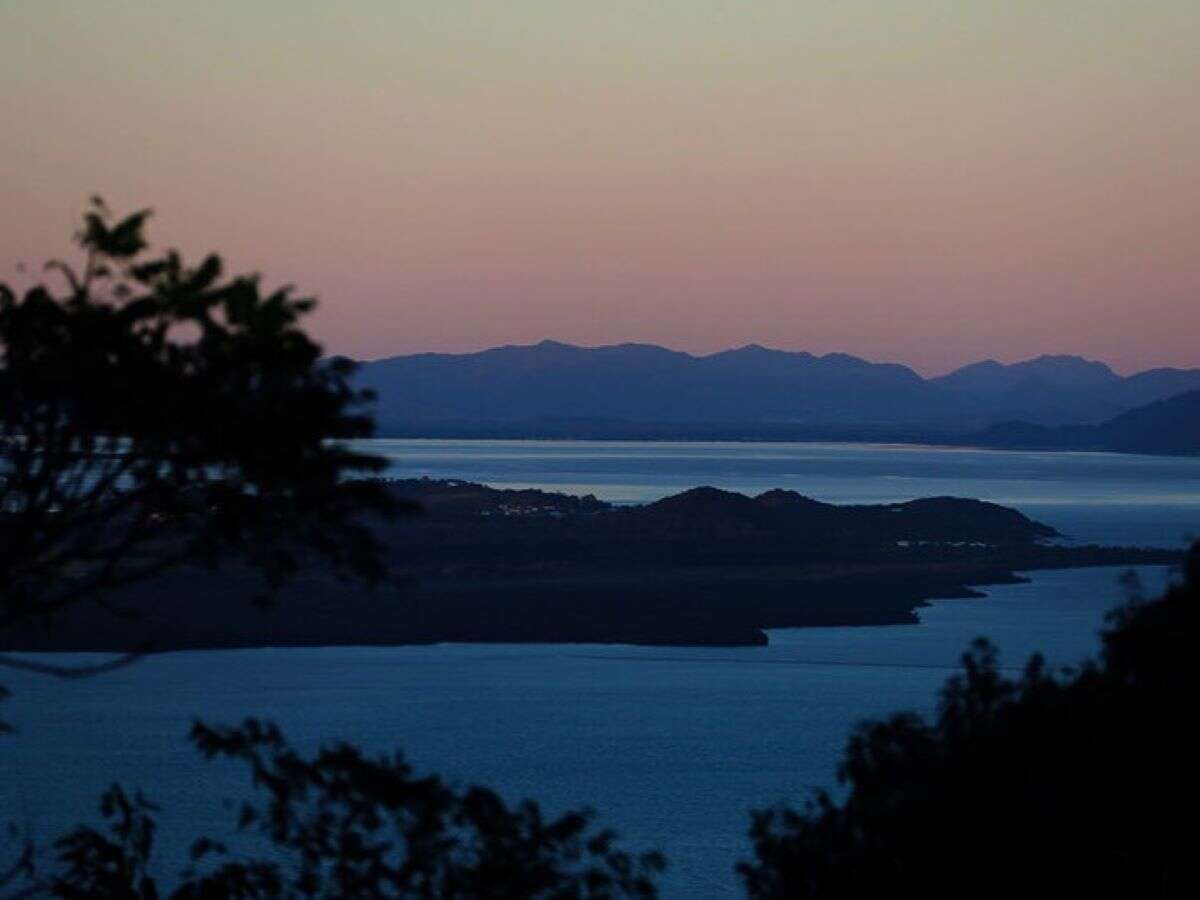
pixel 925 182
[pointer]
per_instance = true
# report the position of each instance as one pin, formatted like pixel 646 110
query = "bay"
pixel 671 746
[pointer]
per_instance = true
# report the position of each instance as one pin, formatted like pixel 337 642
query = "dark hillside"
pixel 705 567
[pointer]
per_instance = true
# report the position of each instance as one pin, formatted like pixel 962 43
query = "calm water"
pixel 671 746
pixel 1100 497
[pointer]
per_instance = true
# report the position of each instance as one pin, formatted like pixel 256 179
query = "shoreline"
pixel 705 567
pixel 308 617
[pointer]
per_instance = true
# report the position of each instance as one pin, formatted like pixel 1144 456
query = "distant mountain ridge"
pixel 1165 426
pixel 644 384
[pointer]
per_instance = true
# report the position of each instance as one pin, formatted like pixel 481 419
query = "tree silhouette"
pixel 154 414
pixel 345 825
pixel 1069 785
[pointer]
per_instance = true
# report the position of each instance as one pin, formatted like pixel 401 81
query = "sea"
pixel 672 747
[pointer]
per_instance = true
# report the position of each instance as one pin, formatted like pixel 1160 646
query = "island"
pixel 705 567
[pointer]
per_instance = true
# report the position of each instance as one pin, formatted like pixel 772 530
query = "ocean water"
pixel 670 746
pixel 1091 497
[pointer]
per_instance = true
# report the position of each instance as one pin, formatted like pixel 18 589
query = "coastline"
pixel 705 567
pixel 725 608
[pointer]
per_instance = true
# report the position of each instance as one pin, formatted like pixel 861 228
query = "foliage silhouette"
pixel 346 825
pixel 154 414
pixel 1076 784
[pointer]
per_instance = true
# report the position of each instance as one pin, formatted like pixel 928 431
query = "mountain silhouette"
pixel 1165 426
pixel 556 389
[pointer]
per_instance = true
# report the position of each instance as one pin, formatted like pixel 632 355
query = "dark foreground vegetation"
pixel 113 493
pixel 341 824
pixel 1050 785
pixel 156 417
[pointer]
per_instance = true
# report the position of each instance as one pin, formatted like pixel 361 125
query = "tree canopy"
pixel 1054 784
pixel 154 413
pixel 343 824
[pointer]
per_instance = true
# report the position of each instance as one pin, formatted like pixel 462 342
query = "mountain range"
pixel 1165 426
pixel 559 390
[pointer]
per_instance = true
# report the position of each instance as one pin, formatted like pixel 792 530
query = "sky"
pixel 922 181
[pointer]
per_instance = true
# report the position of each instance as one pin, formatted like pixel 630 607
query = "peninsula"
pixel 704 567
